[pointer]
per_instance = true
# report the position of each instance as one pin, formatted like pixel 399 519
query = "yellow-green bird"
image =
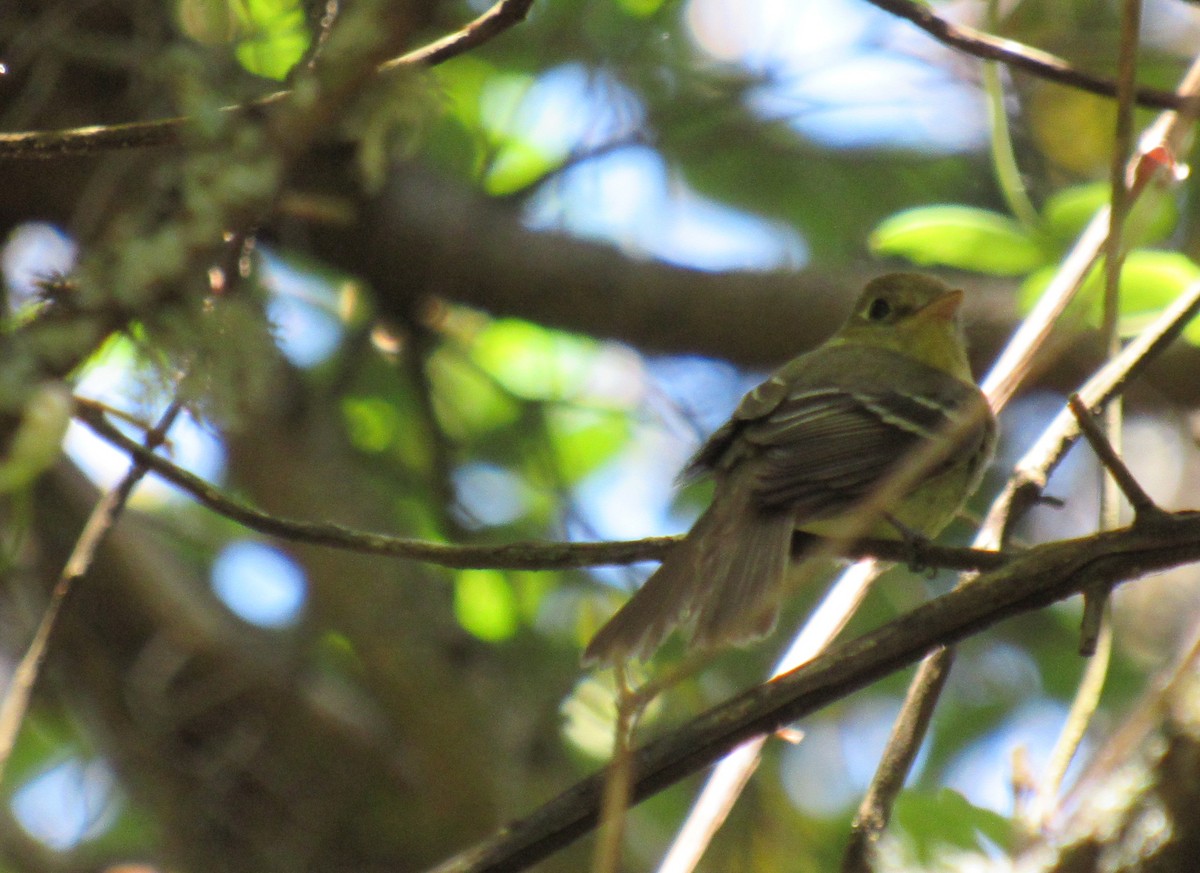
pixel 803 451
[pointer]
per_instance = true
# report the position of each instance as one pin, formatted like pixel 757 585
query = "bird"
pixel 802 452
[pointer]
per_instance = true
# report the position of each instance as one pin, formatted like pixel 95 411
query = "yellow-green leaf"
pixel 485 605
pixel 533 362
pixel 961 237
pixel 1150 279
pixel 585 439
pixel 1068 211
pixel 466 400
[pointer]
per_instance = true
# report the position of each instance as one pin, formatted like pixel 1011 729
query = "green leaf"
pixel 37 442
pixel 517 165
pixel 466 400
pixel 640 8
pixel 276 37
pixel 1068 211
pixel 947 819
pixel 533 362
pixel 485 605
pixel 585 439
pixel 371 423
pixel 961 237
pixel 1150 280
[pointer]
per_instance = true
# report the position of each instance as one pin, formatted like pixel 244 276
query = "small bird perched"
pixel 803 451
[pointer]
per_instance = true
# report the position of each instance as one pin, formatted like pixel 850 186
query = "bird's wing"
pixel 722 449
pixel 822 450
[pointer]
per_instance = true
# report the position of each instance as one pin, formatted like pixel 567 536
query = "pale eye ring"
pixel 879 309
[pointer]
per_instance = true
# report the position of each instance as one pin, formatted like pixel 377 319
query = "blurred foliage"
pixel 268 36
pixel 414 707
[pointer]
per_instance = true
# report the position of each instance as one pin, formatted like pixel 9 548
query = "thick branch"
pixel 1042 576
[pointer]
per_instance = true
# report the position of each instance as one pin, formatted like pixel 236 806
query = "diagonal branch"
pixel 1043 575
pixel 1144 507
pixel 1022 57
pixel 499 18
pixel 104 515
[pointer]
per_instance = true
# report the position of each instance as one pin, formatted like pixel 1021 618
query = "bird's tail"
pixel 722 583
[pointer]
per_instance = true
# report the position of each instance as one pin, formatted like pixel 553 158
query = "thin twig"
pixel 499 18
pixel 1033 469
pixel 44 144
pixel 505 14
pixel 615 797
pixel 16 698
pixel 1083 709
pixel 1038 63
pixel 1094 601
pixel 904 741
pixel 1144 507
pixel 507 556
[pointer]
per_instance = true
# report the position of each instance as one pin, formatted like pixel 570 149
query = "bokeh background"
pixel 504 299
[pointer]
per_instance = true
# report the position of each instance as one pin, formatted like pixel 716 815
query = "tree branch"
pixel 1036 62
pixel 1143 505
pixel 1041 576
pixel 507 556
pixel 44 144
pixel 503 15
pixel 104 515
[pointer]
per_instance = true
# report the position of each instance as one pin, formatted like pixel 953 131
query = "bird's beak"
pixel 943 307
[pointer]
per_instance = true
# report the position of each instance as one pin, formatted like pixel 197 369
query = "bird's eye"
pixel 879 309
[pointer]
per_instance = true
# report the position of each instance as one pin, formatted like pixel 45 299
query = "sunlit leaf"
pixel 485 605
pixel 584 439
pixel 466 400
pixel 533 362
pixel 1073 128
pixel 961 237
pixel 516 165
pixel 640 8
pixel 272 54
pixel 589 712
pixel 1068 211
pixel 588 716
pixel 270 36
pixel 371 423
pixel 946 819
pixel 500 97
pixel 1150 279
pixel 460 83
